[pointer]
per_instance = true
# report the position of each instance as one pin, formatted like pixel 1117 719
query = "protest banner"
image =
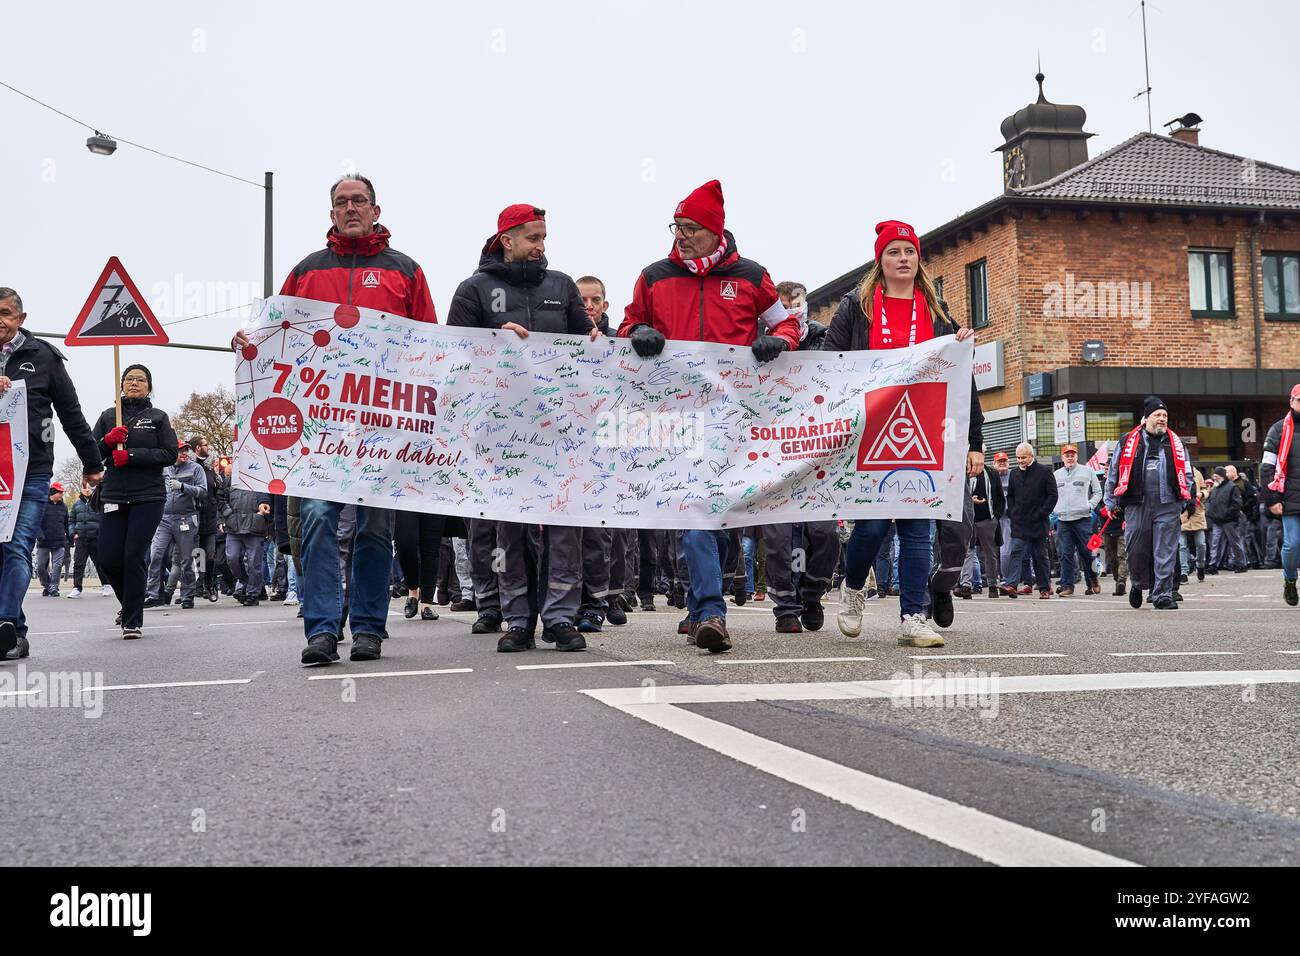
pixel 13 455
pixel 356 406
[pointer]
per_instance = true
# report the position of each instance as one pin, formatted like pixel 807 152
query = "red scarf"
pixel 881 335
pixel 1130 450
pixel 1278 483
pixel 700 267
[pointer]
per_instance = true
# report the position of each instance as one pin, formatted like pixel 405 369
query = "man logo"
pixel 728 290
pixel 27 367
pixel 904 427
pixel 370 279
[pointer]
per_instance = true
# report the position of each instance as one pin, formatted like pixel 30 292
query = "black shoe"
pixel 118 619
pixel 168 597
pixel 1289 593
pixel 212 594
pixel 941 607
pixel 1119 589
pixel 1176 596
pixel 740 597
pixel 8 637
pixel 1238 570
pixel 1166 604
pixel 813 616
pixel 565 638
pixel 513 640
pixel 152 602
pixel 684 626
pixel 187 604
pixel 1182 579
pixel 589 624
pixel 441 598
pixel 464 604
pixel 428 614
pixel 788 625
pixel 1211 570
pixel 279 596
pixel 397 591
pixel 615 614
pixel 411 609
pixel 321 649
pixel 299 614
pixel 1200 574
pixel 251 602
pixel 20 650
pixel 365 647
pixel 1135 598
pixel 489 622
pixel 647 604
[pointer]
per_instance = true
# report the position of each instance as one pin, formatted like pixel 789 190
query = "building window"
pixel 938 288
pixel 1281 285
pixel 977 283
pixel 1209 280
pixel 1214 435
pixel 1108 425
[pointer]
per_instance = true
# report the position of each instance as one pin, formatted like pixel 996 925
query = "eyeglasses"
pixel 686 232
pixel 342 203
pixel 136 380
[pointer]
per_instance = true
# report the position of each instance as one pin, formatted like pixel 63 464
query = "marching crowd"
pixel 159 513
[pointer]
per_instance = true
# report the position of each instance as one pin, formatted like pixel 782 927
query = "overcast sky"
pixel 819 118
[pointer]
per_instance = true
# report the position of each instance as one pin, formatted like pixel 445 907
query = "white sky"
pixel 606 114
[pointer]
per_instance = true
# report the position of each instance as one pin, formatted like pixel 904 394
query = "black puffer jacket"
pixel 1224 504
pixel 1290 495
pixel 85 521
pixel 848 332
pixel 526 293
pixel 40 365
pixel 151 443
pixel 1031 498
pixel 54 526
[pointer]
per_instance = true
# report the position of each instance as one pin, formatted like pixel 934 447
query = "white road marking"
pixel 152 627
pixel 542 667
pixel 18 693
pixel 793 660
pixel 183 683
pixel 1289 652
pixel 449 670
pixel 260 620
pixel 973 657
pixel 963 828
pixel 47 633
pixel 1174 654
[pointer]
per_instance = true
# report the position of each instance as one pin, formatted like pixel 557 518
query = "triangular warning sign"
pixel 902 441
pixel 116 313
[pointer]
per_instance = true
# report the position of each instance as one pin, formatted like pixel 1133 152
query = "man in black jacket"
pixel 28 359
pixel 52 542
pixel 1031 496
pixel 1223 512
pixel 514 290
pixel 990 505
pixel 84 526
pixel 204 458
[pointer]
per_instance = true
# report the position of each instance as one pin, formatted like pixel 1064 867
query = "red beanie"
pixel 891 229
pixel 511 216
pixel 704 205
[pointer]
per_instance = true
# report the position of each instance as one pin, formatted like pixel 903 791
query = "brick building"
pixel 1160 266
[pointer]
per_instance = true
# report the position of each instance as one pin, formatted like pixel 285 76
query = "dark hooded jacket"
pixel 529 294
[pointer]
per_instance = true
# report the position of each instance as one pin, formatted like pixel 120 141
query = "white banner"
pixel 13 455
pixel 357 406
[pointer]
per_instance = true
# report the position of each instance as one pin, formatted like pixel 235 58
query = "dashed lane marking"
pixel 347 676
pixel 794 660
pixel 974 657
pixel 542 667
pixel 1174 654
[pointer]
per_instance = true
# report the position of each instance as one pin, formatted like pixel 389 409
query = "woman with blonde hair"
pixel 897 306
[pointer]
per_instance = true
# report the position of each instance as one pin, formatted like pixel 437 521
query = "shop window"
pixel 1214 436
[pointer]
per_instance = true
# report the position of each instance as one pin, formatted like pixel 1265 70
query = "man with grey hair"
pixel 1031 497
pixel 358 267
pixel 39 365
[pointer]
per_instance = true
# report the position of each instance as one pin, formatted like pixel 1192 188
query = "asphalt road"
pixel 1185 753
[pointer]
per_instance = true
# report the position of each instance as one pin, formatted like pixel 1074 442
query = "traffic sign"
pixel 116 313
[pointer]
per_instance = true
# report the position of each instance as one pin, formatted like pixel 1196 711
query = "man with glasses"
pixel 357 267
pixel 705 292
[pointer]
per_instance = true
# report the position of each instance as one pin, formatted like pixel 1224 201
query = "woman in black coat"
pixel 133 492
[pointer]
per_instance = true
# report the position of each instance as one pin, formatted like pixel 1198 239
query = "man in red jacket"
pixel 705 292
pixel 357 267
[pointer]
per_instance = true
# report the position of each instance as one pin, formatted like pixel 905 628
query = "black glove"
pixel 768 347
pixel 647 342
pixel 1117 515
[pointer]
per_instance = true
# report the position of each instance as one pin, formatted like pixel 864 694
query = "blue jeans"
pixel 750 547
pixel 706 556
pixel 322 584
pixel 914 551
pixel 16 553
pixel 1290 544
pixel 1071 539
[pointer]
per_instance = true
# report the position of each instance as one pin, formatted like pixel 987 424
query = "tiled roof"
pixel 1160 170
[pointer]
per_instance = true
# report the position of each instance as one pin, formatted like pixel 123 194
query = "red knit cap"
pixel 704 205
pixel 891 229
pixel 1295 392
pixel 516 215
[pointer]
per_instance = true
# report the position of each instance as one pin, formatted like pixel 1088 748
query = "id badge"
pixel 185 526
pixel 109 507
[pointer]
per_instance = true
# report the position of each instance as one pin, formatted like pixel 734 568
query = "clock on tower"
pixel 1042 141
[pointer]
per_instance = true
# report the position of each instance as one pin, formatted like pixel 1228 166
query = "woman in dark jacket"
pixel 896 306
pixel 418 537
pixel 132 495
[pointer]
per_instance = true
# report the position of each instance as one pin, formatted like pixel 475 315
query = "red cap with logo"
pixel 891 229
pixel 1000 456
pixel 705 206
pixel 55 486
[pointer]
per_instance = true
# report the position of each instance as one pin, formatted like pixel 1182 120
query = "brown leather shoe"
pixel 1010 591
pixel 1026 589
pixel 1066 592
pixel 1095 589
pixel 711 634
pixel 1044 595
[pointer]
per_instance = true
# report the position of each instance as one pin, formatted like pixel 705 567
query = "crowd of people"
pixel 159 513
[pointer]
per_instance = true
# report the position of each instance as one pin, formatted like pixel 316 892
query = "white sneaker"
pixel 106 589
pixel 917 633
pixel 849 617
pixel 291 599
pixel 74 593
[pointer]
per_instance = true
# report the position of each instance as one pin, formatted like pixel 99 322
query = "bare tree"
pixel 69 475
pixel 210 414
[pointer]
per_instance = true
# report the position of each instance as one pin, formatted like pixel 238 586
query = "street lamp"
pixel 101 145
